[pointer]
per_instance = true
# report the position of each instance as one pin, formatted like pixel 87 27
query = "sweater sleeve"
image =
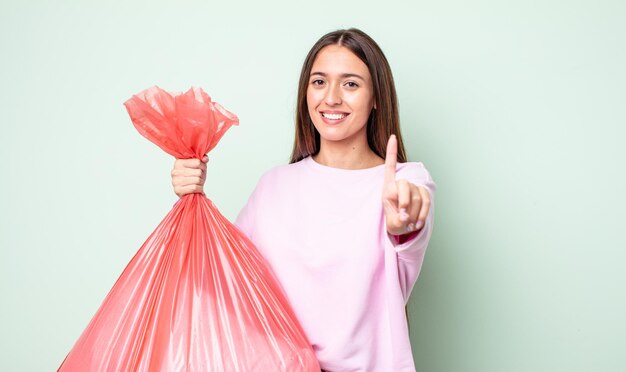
pixel 248 215
pixel 410 254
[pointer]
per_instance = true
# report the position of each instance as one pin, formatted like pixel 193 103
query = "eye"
pixel 317 82
pixel 352 84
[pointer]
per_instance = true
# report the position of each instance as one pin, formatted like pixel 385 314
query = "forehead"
pixel 336 59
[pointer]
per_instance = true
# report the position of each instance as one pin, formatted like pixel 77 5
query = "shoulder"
pixel 416 173
pixel 282 171
pixel 280 176
pixel 412 169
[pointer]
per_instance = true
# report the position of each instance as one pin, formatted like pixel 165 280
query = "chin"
pixel 336 136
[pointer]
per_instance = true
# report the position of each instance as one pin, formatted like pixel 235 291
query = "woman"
pixel 344 229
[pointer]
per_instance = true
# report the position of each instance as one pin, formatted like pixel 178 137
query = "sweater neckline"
pixel 325 168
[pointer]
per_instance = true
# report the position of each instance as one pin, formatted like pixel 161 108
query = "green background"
pixel 517 108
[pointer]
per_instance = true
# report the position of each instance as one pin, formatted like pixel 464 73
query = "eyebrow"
pixel 346 75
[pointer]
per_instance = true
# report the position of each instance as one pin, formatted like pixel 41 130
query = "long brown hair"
pixel 383 121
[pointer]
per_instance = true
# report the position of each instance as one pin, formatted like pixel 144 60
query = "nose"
pixel 333 95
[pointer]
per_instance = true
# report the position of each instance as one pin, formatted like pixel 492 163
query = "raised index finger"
pixel 391 159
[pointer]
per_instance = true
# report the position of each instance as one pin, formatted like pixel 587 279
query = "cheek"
pixel 312 98
pixel 363 104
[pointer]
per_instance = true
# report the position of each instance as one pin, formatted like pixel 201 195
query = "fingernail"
pixel 403 215
pixel 410 227
pixel 418 225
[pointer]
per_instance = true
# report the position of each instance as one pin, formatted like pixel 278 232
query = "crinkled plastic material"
pixel 197 296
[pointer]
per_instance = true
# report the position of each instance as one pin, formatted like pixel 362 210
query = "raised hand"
pixel 406 205
pixel 188 176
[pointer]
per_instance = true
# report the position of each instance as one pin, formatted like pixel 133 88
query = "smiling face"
pixel 340 95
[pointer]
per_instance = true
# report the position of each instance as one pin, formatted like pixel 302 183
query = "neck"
pixel 347 155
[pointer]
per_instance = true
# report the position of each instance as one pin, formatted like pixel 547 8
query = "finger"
pixel 404 199
pixel 189 189
pixel 186 181
pixel 190 163
pixel 205 159
pixel 182 167
pixel 188 172
pixel 424 209
pixel 416 204
pixel 391 160
pixel 181 181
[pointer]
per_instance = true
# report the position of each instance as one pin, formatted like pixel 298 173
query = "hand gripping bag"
pixel 197 295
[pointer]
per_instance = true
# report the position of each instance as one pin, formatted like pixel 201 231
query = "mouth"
pixel 333 117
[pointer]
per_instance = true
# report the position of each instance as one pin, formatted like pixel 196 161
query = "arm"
pixel 408 202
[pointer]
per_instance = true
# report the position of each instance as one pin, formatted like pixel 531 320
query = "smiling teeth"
pixel 334 116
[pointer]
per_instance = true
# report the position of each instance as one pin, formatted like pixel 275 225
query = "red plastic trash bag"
pixel 197 296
